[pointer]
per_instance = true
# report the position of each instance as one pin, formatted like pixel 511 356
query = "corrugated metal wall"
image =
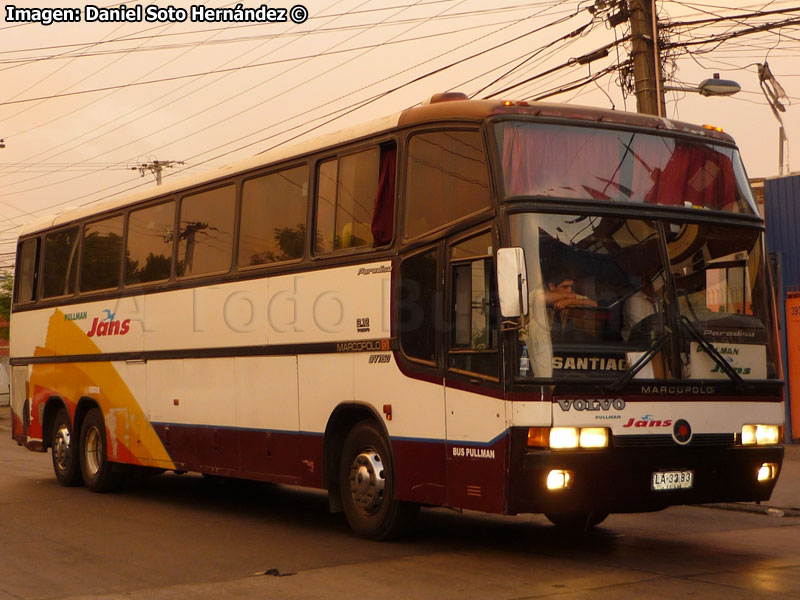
pixel 782 216
pixel 782 211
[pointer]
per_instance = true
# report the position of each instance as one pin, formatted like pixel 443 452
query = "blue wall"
pixel 782 211
pixel 782 216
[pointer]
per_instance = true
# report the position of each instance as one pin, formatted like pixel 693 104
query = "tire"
pixel 98 473
pixel 366 484
pixel 64 451
pixel 577 521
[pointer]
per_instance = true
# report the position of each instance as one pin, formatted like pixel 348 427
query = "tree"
pixel 6 289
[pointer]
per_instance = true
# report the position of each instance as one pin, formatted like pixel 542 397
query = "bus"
pixel 506 307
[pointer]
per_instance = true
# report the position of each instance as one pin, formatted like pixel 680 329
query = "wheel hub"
pixel 367 481
pixel 93 450
pixel 61 448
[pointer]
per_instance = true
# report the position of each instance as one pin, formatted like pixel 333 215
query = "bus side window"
pixel 446 180
pixel 27 271
pixel 148 255
pixel 102 254
pixel 205 240
pixel 474 339
pixel 346 196
pixel 417 322
pixel 273 221
pixel 60 263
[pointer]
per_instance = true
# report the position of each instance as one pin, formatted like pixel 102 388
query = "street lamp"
pixel 709 87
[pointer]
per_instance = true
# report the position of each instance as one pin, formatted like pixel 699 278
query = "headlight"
pixel 565 438
pixel 594 437
pixel 761 435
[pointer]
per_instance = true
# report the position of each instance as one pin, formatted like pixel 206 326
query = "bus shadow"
pixel 638 541
pixel 241 499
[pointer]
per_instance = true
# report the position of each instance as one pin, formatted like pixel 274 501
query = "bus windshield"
pixel 581 162
pixel 603 303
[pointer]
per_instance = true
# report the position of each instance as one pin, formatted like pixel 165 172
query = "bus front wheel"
pixel 63 447
pixel 366 483
pixel 98 473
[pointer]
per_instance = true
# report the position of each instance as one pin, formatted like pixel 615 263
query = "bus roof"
pixel 429 112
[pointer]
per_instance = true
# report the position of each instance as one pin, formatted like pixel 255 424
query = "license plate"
pixel 672 480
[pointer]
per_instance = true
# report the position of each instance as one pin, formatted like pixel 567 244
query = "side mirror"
pixel 512 282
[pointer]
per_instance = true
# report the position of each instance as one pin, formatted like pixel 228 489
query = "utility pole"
pixel 646 59
pixel 155 167
pixel 774 93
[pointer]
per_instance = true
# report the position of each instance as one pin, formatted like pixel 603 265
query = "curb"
pixel 759 509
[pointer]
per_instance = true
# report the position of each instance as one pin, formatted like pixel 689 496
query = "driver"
pixel 561 294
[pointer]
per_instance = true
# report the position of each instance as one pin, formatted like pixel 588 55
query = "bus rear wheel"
pixel 577 521
pixel 63 447
pixel 98 472
pixel 366 483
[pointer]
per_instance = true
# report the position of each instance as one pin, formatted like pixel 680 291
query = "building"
pixel 782 215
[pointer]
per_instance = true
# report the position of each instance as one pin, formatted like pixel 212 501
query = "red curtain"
pixel 383 215
pixel 694 174
pixel 581 162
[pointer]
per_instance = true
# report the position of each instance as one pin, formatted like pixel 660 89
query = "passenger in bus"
pixel 559 296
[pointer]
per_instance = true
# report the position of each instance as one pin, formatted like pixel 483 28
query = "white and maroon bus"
pixel 497 306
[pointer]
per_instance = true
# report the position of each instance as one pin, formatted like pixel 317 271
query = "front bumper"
pixel 619 479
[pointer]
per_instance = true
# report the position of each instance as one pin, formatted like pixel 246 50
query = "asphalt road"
pixel 187 537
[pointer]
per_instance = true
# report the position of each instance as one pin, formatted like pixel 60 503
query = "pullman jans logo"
pixel 109 326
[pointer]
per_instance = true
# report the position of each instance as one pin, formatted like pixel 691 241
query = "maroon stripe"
pixel 461 475
pixel 281 457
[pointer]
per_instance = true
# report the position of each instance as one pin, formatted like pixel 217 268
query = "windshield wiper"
pixel 625 378
pixel 712 352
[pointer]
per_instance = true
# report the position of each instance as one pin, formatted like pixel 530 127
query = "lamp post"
pixel 709 87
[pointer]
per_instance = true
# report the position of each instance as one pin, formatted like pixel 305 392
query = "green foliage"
pixel 6 289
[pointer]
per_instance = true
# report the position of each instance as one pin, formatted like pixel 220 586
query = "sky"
pixel 84 104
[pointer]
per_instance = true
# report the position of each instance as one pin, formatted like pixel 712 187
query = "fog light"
pixel 558 480
pixel 767 471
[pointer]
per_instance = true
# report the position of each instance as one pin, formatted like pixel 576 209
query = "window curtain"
pixel 695 174
pixel 545 160
pixel 573 162
pixel 383 215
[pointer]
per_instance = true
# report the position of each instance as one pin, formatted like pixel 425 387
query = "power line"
pixel 719 19
pixel 500 45
pixel 427 19
pixel 334 116
pixel 569 63
pixel 120 125
pixel 231 69
pixel 261 83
